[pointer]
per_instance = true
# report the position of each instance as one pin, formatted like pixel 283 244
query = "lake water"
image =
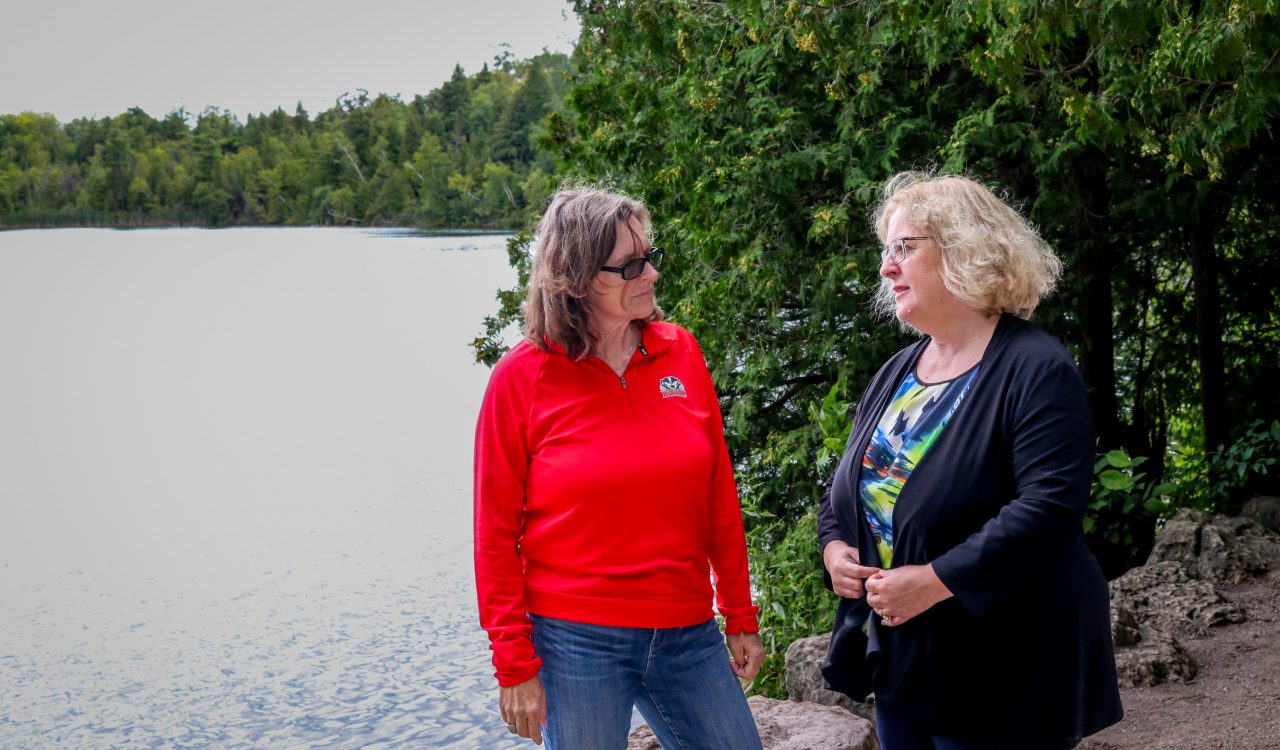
pixel 235 489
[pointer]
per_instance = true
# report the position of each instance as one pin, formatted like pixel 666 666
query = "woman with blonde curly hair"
pixel 605 505
pixel 952 528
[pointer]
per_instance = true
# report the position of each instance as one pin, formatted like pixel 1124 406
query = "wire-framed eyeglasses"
pixel 634 267
pixel 896 250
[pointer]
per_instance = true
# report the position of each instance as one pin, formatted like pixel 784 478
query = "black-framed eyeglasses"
pixel 634 267
pixel 897 249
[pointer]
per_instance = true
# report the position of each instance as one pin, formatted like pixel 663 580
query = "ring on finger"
pixel 511 728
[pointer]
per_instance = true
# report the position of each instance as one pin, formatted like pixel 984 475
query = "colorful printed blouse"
pixel 910 425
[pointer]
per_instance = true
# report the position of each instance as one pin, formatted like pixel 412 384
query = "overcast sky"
pixel 76 58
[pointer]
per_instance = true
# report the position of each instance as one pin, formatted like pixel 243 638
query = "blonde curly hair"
pixel 993 259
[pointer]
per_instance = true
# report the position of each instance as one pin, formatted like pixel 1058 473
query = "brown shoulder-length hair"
pixel 576 236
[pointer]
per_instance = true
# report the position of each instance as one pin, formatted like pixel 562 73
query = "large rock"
pixel 1173 595
pixel 1146 656
pixel 1164 596
pixel 1215 548
pixel 1265 510
pixel 803 660
pixel 788 725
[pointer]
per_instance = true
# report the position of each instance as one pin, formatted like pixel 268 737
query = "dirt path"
pixel 1234 701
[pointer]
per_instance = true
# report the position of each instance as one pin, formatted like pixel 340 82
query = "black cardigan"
pixel 1023 650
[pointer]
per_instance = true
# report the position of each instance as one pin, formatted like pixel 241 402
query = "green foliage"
pixel 786 562
pixel 464 155
pixel 1124 507
pixel 1243 467
pixel 1222 482
pixel 834 422
pixel 491 345
pixel 1134 135
pixel 786 568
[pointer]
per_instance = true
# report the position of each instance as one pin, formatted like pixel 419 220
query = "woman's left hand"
pixel 899 594
pixel 746 653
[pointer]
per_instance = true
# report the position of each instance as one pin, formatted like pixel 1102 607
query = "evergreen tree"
pixel 372 160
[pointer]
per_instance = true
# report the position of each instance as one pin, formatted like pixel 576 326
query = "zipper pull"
pixel 623 378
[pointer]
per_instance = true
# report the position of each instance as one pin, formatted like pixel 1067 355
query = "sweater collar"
pixel 655 338
pixel 1005 327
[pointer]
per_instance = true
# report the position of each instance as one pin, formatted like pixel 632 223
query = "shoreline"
pixel 405 228
pixel 433 231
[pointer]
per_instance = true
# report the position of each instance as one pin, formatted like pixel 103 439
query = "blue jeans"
pixel 679 678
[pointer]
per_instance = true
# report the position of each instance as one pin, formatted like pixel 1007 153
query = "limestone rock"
pixel 641 738
pixel 1179 539
pixel 1124 628
pixel 1265 510
pixel 1146 656
pixel 788 725
pixel 1216 548
pixel 1164 596
pixel 1174 596
pixel 803 660
pixel 1233 549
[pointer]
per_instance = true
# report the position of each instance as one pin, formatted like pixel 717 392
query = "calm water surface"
pixel 235 489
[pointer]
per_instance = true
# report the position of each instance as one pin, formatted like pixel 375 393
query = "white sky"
pixel 76 58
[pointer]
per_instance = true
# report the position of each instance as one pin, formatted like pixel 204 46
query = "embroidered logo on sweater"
pixel 671 386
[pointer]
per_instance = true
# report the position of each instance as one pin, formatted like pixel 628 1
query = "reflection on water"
pixel 235 489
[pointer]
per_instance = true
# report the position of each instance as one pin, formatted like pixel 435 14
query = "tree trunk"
pixel 1208 311
pixel 1095 263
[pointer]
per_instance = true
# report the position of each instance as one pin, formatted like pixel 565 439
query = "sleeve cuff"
pixel 512 677
pixel 738 624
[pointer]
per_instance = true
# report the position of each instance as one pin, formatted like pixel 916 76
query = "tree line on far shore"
pixel 465 155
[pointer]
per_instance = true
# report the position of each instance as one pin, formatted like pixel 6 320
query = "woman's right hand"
pixel 847 571
pixel 525 707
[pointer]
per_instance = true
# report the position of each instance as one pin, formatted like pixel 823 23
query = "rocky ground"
pixel 1234 699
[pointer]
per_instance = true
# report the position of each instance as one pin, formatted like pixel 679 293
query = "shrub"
pixel 1243 468
pixel 788 587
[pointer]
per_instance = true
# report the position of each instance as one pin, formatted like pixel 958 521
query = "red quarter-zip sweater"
pixel 604 499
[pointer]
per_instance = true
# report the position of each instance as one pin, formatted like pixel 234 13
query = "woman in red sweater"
pixel 605 506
